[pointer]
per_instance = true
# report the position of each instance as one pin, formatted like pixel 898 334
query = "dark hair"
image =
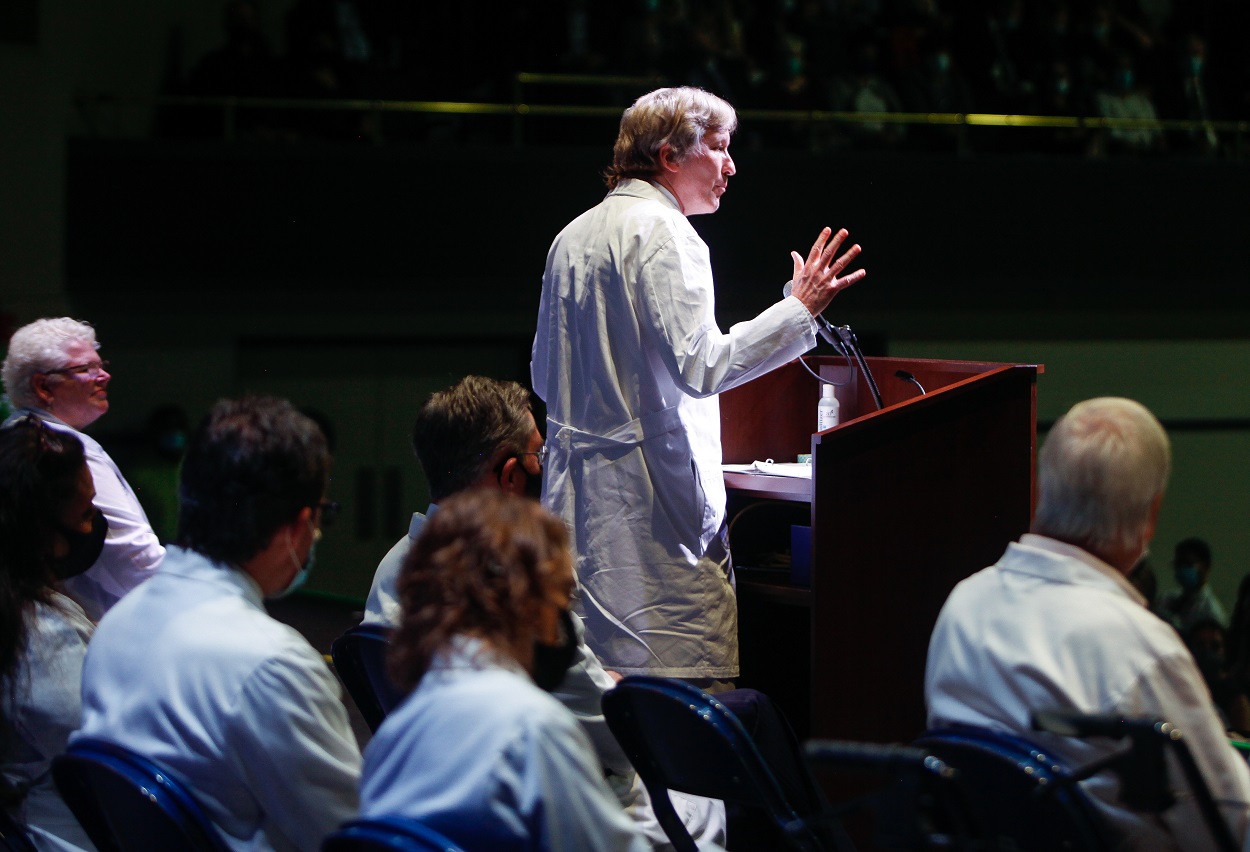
pixel 1198 547
pixel 250 467
pixel 480 568
pixel 460 432
pixel 40 469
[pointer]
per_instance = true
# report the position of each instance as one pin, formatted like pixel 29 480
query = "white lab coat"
pixel 190 671
pixel 581 692
pixel 629 359
pixel 132 552
pixel 1050 627
pixel 42 706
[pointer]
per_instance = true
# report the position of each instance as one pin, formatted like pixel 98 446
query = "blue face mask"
pixel 301 575
pixel 1187 577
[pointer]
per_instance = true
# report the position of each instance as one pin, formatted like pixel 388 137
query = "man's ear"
pixel 668 158
pixel 1153 518
pixel 512 476
pixel 43 389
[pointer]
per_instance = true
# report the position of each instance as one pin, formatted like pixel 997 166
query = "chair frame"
pixel 1047 778
pixel 13 835
pixel 153 785
pixel 656 720
pixel 387 834
pixel 1142 769
pixel 359 657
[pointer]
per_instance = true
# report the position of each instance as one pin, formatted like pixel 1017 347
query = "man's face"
pixel 1190 570
pixel 77 396
pixel 702 178
pixel 531 463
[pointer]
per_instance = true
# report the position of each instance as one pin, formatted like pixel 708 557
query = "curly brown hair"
pixel 482 567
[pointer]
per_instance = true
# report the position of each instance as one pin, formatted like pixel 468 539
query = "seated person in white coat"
pixel 1056 624
pixel 481 433
pixel 53 369
pixel 49 531
pixel 478 750
pixel 189 669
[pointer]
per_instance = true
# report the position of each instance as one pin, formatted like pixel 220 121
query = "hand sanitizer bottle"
pixel 827 409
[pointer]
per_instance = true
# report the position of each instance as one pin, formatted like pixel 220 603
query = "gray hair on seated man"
pixel 1101 476
pixel 677 117
pixel 38 348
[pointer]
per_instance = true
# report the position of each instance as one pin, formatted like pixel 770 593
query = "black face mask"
pixel 533 486
pixel 551 662
pixel 84 549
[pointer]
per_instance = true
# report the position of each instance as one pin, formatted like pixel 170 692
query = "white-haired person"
pixel 1056 625
pixel 629 360
pixel 53 370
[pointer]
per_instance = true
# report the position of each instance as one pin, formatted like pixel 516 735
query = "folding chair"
pixel 1009 794
pixel 127 803
pixel 13 836
pixel 681 738
pixel 360 659
pixel 387 834
pixel 1143 769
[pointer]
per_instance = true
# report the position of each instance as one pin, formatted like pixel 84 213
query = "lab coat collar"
pixel 183 562
pixel 645 189
pixel 1058 561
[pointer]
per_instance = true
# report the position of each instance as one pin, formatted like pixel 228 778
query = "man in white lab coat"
pixel 629 359
pixel 191 671
pixel 1055 624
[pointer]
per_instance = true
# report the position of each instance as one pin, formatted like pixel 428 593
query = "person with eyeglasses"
pixel 49 531
pixel 480 433
pixel 190 670
pixel 53 370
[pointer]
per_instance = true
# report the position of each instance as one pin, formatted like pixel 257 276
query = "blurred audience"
pixel 1186 63
pixel 1192 601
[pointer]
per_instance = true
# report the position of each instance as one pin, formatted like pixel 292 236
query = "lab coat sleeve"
pixel 588 818
pixel 1174 691
pixel 132 552
pixel 677 307
pixel 295 748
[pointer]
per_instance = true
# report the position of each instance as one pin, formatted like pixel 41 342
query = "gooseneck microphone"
pixel 841 338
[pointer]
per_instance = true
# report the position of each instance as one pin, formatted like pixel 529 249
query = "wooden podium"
pixel 903 503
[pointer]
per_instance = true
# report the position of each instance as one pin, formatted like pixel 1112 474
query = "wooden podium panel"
pixel 903 503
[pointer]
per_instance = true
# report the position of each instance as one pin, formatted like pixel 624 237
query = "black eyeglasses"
pixel 90 370
pixel 329 510
pixel 541 452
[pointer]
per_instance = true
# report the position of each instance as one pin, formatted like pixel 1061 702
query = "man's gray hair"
pixel 1103 465
pixel 678 117
pixel 37 348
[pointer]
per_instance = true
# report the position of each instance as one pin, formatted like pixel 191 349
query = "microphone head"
pixel 785 291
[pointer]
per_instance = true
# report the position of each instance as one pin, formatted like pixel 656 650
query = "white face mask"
pixel 301 571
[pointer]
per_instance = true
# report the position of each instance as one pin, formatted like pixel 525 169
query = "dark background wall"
pixel 938 231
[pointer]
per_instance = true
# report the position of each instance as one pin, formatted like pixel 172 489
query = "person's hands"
pixel 816 280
